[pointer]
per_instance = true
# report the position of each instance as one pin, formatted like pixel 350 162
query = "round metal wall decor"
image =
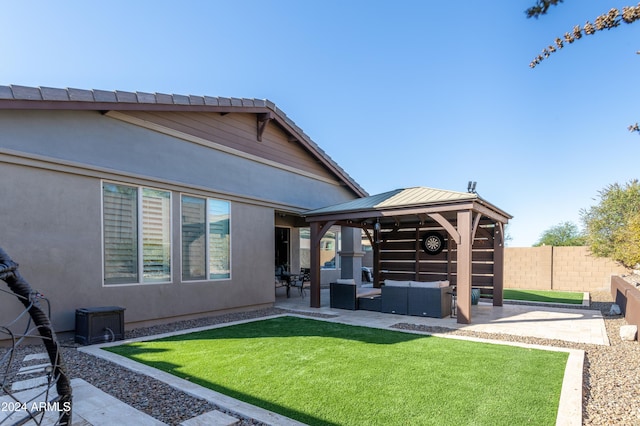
pixel 432 243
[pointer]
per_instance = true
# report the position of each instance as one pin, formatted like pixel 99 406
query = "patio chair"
pixel 302 281
pixel 280 279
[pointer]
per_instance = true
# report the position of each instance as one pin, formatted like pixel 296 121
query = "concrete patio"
pixel 541 321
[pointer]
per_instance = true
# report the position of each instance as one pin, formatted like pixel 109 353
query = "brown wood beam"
pixel 410 211
pixel 450 259
pixel 368 234
pixel 262 120
pixel 464 268
pixel 324 227
pixel 476 222
pixel 451 230
pixel 498 264
pixel 314 263
pixel 417 255
pixel 377 261
pixel 318 230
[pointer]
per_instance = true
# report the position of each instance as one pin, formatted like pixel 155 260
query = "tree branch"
pixel 541 8
pixel 607 21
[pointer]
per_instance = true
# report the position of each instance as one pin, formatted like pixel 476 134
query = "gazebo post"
pixel 498 264
pixel 377 273
pixel 314 263
pixel 318 229
pixel 464 267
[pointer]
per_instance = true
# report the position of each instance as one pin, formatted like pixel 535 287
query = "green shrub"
pixel 612 227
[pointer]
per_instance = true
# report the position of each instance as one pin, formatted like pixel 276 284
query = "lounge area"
pixel 579 326
pixel 417 235
pixel 416 298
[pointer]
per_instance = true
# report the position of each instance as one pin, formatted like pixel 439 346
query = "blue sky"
pixel 400 94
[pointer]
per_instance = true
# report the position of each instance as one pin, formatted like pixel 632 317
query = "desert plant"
pixel 613 225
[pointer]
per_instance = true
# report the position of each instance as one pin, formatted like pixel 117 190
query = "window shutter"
pixel 219 242
pixel 194 237
pixel 120 230
pixel 156 231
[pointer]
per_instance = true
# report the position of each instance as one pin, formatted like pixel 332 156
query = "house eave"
pixel 45 98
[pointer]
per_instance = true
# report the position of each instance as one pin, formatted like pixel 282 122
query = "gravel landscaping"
pixel 611 390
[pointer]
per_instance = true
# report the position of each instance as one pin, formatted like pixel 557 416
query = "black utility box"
pixel 99 325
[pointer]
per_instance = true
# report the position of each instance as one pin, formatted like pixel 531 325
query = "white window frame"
pixel 207 245
pixel 140 234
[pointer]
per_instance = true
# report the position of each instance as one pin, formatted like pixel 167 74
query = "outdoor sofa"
pixel 344 294
pixel 427 299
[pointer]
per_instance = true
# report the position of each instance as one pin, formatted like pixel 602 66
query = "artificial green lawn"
pixel 323 373
pixel 544 296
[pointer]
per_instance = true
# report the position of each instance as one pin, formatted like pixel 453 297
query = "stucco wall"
pixel 557 268
pixel 55 236
pixel 51 168
pixel 90 138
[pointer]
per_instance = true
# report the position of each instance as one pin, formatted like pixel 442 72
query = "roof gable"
pixel 47 98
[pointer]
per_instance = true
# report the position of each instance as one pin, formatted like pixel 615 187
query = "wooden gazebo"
pixel 423 234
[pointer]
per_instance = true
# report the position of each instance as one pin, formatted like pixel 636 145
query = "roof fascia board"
pixel 125 106
pixel 413 210
pixel 366 214
pixel 492 212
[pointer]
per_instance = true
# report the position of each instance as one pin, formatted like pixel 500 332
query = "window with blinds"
pixel 120 223
pixel 156 235
pixel 194 239
pixel 206 239
pixel 219 242
pixel 136 234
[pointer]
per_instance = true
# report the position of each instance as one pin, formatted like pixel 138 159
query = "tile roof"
pixel 25 93
pixel 121 100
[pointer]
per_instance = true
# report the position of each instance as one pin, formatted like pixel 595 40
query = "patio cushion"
pixel 394 283
pixel 430 284
pixel 366 292
pixel 346 281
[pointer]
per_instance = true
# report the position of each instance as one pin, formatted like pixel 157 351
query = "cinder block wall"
pixel 528 267
pixel 558 268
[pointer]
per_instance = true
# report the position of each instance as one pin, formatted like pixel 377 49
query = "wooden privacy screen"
pixel 402 257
